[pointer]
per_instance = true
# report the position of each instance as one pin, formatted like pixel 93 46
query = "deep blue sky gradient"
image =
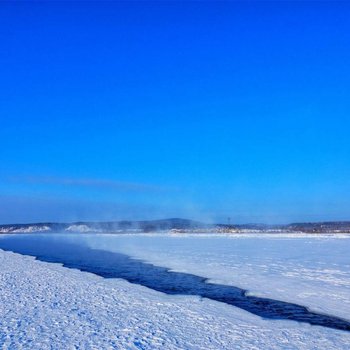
pixel 205 110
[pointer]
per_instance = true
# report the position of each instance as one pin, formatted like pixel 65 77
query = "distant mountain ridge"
pixel 109 226
pixel 175 224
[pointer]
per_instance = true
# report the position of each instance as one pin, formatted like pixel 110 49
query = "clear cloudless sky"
pixel 205 110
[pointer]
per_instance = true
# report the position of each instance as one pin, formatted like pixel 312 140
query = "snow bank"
pixel 25 229
pixel 81 228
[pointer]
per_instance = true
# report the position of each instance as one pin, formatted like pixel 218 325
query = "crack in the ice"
pixel 116 265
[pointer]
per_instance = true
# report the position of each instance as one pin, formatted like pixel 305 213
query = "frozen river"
pixel 280 277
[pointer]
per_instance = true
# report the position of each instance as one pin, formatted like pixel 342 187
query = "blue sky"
pixel 204 110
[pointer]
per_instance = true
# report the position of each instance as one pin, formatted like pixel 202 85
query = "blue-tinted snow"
pixel 47 306
pixel 57 249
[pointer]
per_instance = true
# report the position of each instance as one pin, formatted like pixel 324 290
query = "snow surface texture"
pixel 309 270
pixel 47 306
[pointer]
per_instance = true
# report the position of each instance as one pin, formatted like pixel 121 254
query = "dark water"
pixel 116 265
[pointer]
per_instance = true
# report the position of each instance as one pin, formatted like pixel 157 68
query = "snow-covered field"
pixel 47 306
pixel 311 270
